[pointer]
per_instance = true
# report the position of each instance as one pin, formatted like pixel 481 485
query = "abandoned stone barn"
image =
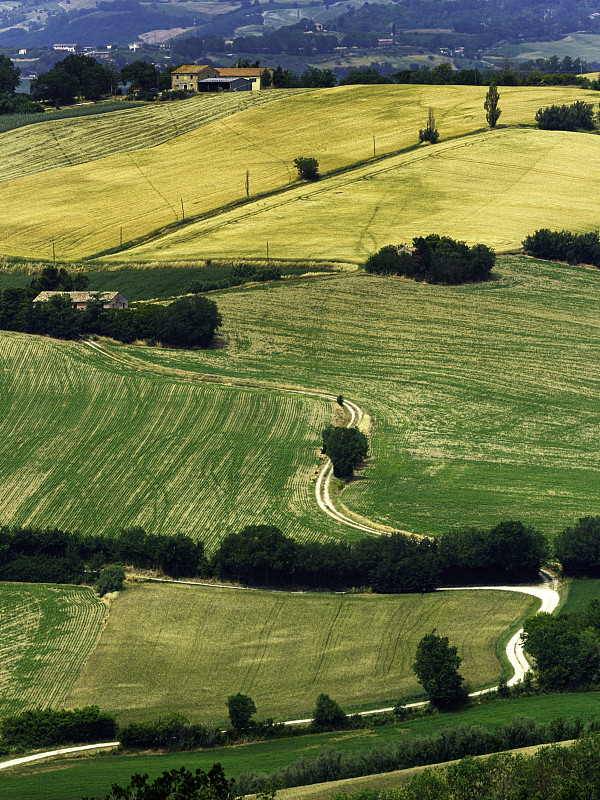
pixel 79 300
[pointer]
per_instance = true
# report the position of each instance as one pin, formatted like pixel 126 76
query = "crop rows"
pixel 48 632
pixel 187 648
pixel 65 143
pixel 85 444
pixel 82 208
pixel 485 398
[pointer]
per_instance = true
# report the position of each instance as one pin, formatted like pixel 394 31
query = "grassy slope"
pixel 579 595
pixel 485 398
pixel 187 648
pixel 86 444
pixel 82 208
pixel 48 632
pixel 69 780
pixel 495 187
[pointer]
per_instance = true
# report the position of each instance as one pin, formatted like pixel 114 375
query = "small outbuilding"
pixel 79 300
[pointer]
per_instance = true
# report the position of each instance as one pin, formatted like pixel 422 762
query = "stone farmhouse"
pixel 79 300
pixel 203 78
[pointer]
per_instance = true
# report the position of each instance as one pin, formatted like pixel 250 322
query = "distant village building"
pixel 79 300
pixel 135 46
pixel 204 78
pixel 66 48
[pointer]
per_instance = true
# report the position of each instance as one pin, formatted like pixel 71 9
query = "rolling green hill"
pixel 187 648
pixel 82 208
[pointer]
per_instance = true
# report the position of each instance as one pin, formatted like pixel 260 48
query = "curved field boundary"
pixel 15 762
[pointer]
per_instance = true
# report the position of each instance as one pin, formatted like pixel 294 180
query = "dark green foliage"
pixel 577 116
pixel 448 744
pixel 18 104
pixel 327 715
pixel 578 548
pixel 316 78
pixel 308 168
pixel 140 74
pixel 284 78
pixel 434 259
pixel 189 322
pixel 43 728
pixel 238 275
pixel 575 248
pixel 436 667
pixel 492 112
pixel 75 75
pixel 258 554
pixel 178 784
pixel 110 579
pixel 241 708
pixel 566 648
pixel 364 75
pixel 346 447
pixel 10 76
pixel 171 732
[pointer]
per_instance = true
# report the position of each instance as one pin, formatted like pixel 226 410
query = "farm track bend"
pixel 546 591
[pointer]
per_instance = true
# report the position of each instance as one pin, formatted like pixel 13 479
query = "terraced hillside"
pixel 82 208
pixel 87 444
pixel 48 632
pixel 485 398
pixel 187 648
pixel 495 187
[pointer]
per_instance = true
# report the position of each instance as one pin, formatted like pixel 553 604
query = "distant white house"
pixel 79 300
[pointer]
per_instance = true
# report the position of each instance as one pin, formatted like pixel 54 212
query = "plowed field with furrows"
pixel 47 633
pixel 82 208
pixel 85 443
pixel 64 143
pixel 187 648
pixel 485 398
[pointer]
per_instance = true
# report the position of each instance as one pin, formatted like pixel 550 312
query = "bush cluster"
pixel 240 274
pixel 188 322
pixel 450 743
pixel 346 447
pixel 574 248
pixel 44 728
pixel 578 116
pixel 434 259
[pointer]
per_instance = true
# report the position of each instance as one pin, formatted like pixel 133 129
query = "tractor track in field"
pixel 545 591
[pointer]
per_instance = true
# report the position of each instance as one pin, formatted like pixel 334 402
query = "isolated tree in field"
pixel 436 667
pixel 241 707
pixel 308 168
pixel 346 447
pixel 429 133
pixel 328 715
pixel 492 112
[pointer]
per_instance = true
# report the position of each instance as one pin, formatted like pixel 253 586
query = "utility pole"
pixel 121 237
pixel 53 254
pixel 267 251
pixel 182 211
pixel 373 147
pixel 247 183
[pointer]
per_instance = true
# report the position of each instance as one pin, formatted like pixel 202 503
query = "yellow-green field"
pixel 87 444
pixel 485 398
pixel 187 648
pixel 48 632
pixel 494 187
pixel 83 207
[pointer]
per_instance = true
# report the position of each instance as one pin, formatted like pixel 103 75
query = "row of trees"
pixel 575 248
pixel 434 259
pixel 262 555
pixel 187 322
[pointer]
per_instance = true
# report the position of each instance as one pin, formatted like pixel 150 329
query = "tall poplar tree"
pixel 492 112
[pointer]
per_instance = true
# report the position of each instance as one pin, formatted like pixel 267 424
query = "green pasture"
pixel 93 775
pixel 84 208
pixel 579 594
pixel 187 648
pixel 495 187
pixel 48 632
pixel 575 45
pixel 484 398
pixel 88 444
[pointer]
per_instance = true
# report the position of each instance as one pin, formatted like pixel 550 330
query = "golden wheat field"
pixel 82 208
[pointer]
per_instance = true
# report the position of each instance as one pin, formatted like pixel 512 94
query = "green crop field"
pixel 187 648
pixel 86 443
pixel 485 398
pixel 48 632
pixel 82 208
pixel 579 594
pixel 70 779
pixel 530 178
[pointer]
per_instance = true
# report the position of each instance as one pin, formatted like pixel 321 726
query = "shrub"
pixel 346 447
pixel 328 715
pixel 110 579
pixel 308 168
pixel 578 116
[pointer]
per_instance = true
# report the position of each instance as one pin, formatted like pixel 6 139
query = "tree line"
pixel 574 248
pixel 578 116
pixel 187 322
pixel 434 259
pixel 261 555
